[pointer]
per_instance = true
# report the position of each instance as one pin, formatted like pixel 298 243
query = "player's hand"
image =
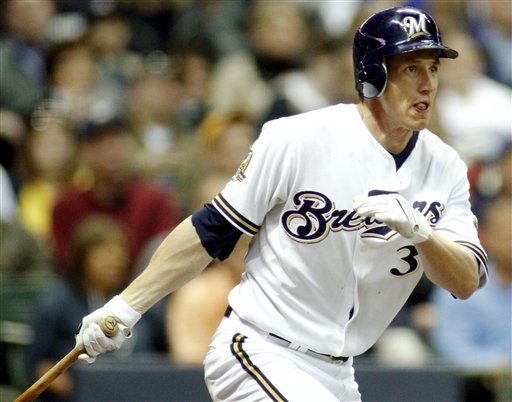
pixel 396 212
pixel 91 339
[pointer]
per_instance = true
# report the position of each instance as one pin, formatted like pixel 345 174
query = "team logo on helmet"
pixel 416 27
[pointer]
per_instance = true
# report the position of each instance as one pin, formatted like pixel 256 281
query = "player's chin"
pixel 418 120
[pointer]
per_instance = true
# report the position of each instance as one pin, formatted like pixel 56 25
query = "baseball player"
pixel 347 207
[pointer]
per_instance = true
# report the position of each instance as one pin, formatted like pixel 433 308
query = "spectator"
pixel 217 25
pixel 480 130
pixel 109 35
pixel 100 256
pixel 75 86
pixel 26 268
pixel 107 149
pixel 490 178
pixel 325 80
pixel 278 34
pixel 23 48
pixel 24 261
pixel 48 160
pixel 336 18
pixel 491 23
pixel 152 23
pixel 194 63
pixel 223 142
pixel 153 112
pixel 476 335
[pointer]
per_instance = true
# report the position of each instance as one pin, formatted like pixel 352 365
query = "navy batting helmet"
pixel 389 32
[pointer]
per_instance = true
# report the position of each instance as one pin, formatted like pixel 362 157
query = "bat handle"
pixel 109 327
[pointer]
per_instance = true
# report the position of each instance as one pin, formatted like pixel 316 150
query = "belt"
pixel 278 340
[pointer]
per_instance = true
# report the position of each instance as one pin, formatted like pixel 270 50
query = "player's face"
pixel 411 88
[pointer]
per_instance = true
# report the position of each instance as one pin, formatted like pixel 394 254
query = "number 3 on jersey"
pixel 410 259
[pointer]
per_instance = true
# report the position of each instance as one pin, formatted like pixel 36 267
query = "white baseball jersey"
pixel 317 274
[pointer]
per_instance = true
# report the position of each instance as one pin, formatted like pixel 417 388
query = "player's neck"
pixel 393 138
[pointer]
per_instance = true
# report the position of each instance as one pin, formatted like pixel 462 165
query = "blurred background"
pixel 118 118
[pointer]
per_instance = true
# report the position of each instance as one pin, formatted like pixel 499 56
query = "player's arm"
pixel 182 255
pixel 178 259
pixel 449 265
pixel 446 263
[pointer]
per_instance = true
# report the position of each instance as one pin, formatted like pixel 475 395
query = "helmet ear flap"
pixel 371 80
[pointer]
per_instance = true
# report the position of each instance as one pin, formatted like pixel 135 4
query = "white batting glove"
pixel 91 339
pixel 396 212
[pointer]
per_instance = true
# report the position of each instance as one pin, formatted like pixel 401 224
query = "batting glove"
pixel 396 212
pixel 91 339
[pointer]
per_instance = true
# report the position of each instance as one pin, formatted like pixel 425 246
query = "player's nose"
pixel 428 81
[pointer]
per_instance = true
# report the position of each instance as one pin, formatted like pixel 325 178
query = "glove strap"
pixel 422 230
pixel 123 312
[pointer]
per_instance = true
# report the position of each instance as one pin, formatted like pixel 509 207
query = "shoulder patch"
pixel 240 173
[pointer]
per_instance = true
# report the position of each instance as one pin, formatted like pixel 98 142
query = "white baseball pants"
pixel 243 365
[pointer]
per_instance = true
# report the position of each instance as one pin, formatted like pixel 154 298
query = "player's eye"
pixel 434 69
pixel 411 69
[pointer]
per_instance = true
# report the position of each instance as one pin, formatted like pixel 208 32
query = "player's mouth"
pixel 421 107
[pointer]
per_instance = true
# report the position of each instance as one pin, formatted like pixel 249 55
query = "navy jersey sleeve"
pixel 218 236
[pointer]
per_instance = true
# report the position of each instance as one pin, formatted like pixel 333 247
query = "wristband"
pixel 123 312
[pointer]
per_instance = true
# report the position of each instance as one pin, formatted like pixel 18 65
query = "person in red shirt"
pixel 146 211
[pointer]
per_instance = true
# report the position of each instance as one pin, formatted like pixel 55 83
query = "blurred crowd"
pixel 118 118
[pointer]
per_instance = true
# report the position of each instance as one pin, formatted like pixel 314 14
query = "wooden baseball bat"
pixel 109 327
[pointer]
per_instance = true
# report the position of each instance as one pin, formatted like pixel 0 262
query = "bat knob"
pixel 109 326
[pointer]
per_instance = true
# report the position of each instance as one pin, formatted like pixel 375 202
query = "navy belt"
pixel 278 340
